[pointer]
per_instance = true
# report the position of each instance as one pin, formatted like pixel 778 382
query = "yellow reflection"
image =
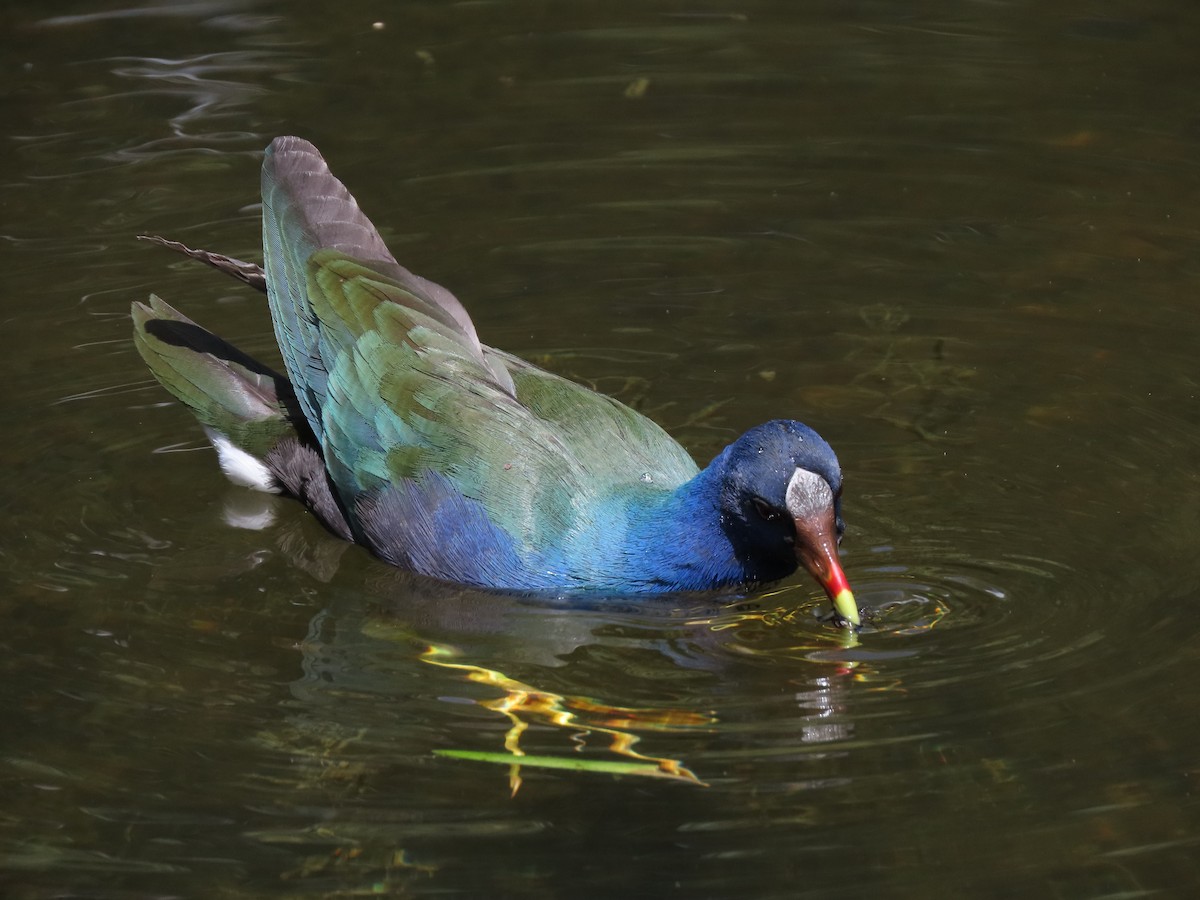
pixel 523 705
pixel 940 611
pixel 740 615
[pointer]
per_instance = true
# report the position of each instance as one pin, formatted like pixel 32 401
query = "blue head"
pixel 780 504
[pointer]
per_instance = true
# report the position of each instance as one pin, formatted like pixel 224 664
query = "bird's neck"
pixel 678 540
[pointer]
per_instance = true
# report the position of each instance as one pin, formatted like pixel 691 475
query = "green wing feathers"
pixel 404 396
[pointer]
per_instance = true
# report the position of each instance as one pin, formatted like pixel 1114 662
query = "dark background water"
pixel 960 239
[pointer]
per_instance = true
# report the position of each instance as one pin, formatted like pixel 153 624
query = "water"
pixel 959 240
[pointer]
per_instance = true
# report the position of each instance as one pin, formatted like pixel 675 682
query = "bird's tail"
pixel 244 406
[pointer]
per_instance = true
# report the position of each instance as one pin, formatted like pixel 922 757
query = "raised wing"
pixel 306 209
pixel 452 458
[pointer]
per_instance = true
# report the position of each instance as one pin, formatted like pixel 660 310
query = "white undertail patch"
pixel 241 467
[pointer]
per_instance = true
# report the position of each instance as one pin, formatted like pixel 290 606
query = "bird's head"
pixel 781 505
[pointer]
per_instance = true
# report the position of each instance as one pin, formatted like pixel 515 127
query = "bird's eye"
pixel 766 510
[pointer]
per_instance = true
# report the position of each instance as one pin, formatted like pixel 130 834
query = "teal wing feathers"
pixel 306 210
pixel 398 388
pixel 404 398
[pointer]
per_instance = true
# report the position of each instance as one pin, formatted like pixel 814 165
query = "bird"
pixel 402 432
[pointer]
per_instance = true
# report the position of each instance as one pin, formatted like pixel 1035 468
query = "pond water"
pixel 962 240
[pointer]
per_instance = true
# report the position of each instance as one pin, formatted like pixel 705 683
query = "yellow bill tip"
pixel 846 606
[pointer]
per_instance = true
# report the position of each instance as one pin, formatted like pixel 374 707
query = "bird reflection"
pixel 677 670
